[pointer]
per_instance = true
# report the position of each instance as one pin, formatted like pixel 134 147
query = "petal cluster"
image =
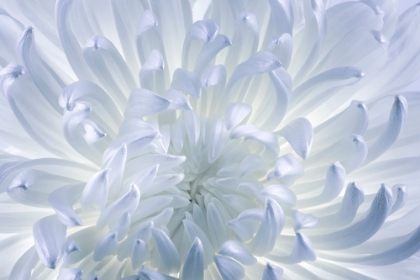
pixel 209 140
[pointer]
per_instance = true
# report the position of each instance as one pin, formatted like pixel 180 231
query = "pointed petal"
pixel 304 221
pixel 302 249
pixel 365 228
pixel 49 236
pixel 96 191
pixel 299 134
pixel 194 262
pixel 62 200
pixel 139 254
pixel 272 272
pixel 170 261
pixel 108 245
pixel 395 124
pixel 271 226
pixel 126 203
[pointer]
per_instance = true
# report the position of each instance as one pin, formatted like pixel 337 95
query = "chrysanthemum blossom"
pixel 222 139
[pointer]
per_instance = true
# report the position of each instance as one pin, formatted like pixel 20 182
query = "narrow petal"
pixel 396 122
pixel 271 226
pixel 96 190
pixel 194 262
pixel 365 228
pixel 139 254
pixel 170 261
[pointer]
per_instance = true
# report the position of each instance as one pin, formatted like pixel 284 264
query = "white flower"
pixel 204 139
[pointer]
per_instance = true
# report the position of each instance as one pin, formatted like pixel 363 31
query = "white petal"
pixel 365 228
pixel 353 198
pixel 143 102
pixel 407 246
pixel 205 30
pixel 178 100
pixel 286 169
pixel 150 274
pixel 228 268
pixel 193 231
pixel 217 231
pixel 209 51
pixel 187 82
pixel 70 274
pixel 151 73
pixel 299 134
pixel 213 76
pixel 280 193
pixel 34 64
pixel 282 14
pixel 49 237
pixel 145 177
pixel 169 257
pixel 151 205
pixel 121 226
pixel 114 159
pixel 218 138
pixel 400 197
pixel 395 124
pixel 334 181
pixel 235 113
pixel 69 42
pixel 96 191
pixel 302 249
pixel 143 232
pixel 333 185
pixel 282 47
pixel 236 250
pixel 23 267
pixel 246 224
pixel 62 200
pixel 110 68
pixel 192 126
pixel 139 254
pixel 10 31
pixel 271 226
pixel 194 262
pixel 126 203
pixel 304 221
pixel 272 272
pixel 108 245
pixel 162 183
pixel 259 63
pixel 250 164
